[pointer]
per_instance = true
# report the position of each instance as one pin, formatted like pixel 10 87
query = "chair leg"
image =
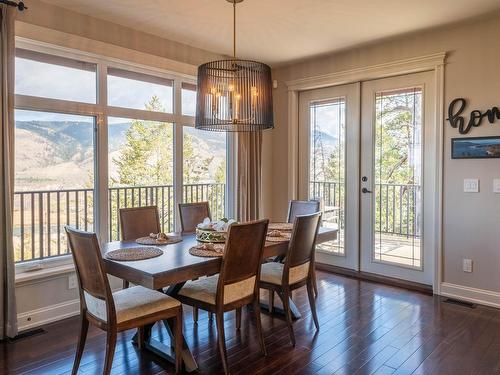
pixel 84 328
pixel 195 315
pixel 221 338
pixel 238 318
pixel 270 305
pixel 312 302
pixel 140 338
pixel 110 351
pixel 285 297
pixel 315 283
pixel 256 309
pixel 125 284
pixel 178 342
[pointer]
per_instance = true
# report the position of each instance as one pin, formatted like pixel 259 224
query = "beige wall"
pixel 471 221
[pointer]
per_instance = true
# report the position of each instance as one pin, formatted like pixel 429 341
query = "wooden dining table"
pixel 171 270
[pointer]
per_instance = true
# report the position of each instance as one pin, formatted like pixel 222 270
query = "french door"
pixel 329 166
pixel 363 148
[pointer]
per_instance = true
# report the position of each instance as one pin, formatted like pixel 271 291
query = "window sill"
pixel 32 272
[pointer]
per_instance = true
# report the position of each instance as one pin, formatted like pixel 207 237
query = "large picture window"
pixel 84 151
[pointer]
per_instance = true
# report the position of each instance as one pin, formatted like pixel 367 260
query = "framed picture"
pixel 475 148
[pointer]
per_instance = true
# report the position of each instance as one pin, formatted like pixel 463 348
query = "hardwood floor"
pixel 366 328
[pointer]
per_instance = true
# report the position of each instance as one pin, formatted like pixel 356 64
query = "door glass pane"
pixel 398 177
pixel 140 167
pixel 327 165
pixel 55 77
pixel 54 181
pixel 128 89
pixel 204 170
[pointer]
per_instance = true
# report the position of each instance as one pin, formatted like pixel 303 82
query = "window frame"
pixel 101 111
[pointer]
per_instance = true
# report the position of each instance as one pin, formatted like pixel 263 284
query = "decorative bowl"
pixel 210 235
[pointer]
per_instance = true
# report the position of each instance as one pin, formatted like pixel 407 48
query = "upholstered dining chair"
pixel 115 312
pixel 191 214
pixel 136 222
pixel 237 284
pixel 296 271
pixel 296 208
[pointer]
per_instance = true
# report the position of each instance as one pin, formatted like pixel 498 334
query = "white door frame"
pixel 434 62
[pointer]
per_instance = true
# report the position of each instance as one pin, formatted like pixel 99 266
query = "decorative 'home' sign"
pixel 456 119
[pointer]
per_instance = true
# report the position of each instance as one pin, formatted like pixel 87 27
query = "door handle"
pixel 365 190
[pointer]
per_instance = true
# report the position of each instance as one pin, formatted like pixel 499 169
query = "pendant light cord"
pixel 234 30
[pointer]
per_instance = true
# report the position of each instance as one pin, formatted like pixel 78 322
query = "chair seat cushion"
pixel 131 303
pixel 205 289
pixel 272 272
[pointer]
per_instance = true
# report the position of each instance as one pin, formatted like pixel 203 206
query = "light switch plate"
pixel 471 185
pixel 496 185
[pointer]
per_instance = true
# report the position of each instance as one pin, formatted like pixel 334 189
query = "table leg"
pixel 166 351
pixel 279 309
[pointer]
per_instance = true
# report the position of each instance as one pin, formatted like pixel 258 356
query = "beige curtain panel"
pixel 8 313
pixel 249 176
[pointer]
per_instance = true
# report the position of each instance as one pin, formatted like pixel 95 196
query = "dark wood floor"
pixel 366 328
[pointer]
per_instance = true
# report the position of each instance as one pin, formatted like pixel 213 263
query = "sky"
pixel 60 82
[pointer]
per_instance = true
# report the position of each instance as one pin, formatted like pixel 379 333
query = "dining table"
pixel 171 270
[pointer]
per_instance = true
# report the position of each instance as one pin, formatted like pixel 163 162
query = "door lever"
pixel 365 190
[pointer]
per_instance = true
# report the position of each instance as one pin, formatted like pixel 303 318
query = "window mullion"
pixel 101 182
pixel 178 152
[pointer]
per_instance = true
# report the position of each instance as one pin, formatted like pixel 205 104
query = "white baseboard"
pixel 49 314
pixel 479 296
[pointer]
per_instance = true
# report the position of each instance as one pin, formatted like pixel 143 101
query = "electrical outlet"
pixel 467 265
pixel 72 283
pixel 471 185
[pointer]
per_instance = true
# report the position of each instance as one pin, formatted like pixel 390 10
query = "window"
pixel 204 172
pixel 54 181
pixel 140 165
pixel 55 77
pixel 188 99
pixel 128 89
pixel 61 122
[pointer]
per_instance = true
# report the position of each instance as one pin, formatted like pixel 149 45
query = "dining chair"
pixel 125 309
pixel 136 222
pixel 237 284
pixel 296 208
pixel 191 214
pixel 296 271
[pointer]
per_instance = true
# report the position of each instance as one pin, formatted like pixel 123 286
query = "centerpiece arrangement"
pixel 213 231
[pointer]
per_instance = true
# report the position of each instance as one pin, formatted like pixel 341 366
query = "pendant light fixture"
pixel 234 95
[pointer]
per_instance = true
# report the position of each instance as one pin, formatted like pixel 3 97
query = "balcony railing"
pixel 396 205
pixel 40 216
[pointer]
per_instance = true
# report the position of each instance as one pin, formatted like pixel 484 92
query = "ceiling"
pixel 278 31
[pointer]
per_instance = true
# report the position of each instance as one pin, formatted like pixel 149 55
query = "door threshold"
pixel 367 276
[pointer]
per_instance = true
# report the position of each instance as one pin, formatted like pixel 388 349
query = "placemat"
pixel 202 251
pixel 153 241
pixel 134 253
pixel 282 238
pixel 280 226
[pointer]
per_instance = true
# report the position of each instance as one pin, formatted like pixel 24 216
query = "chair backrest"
pixel 136 222
pixel 191 214
pixel 296 208
pixel 243 253
pixel 302 241
pixel 90 269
